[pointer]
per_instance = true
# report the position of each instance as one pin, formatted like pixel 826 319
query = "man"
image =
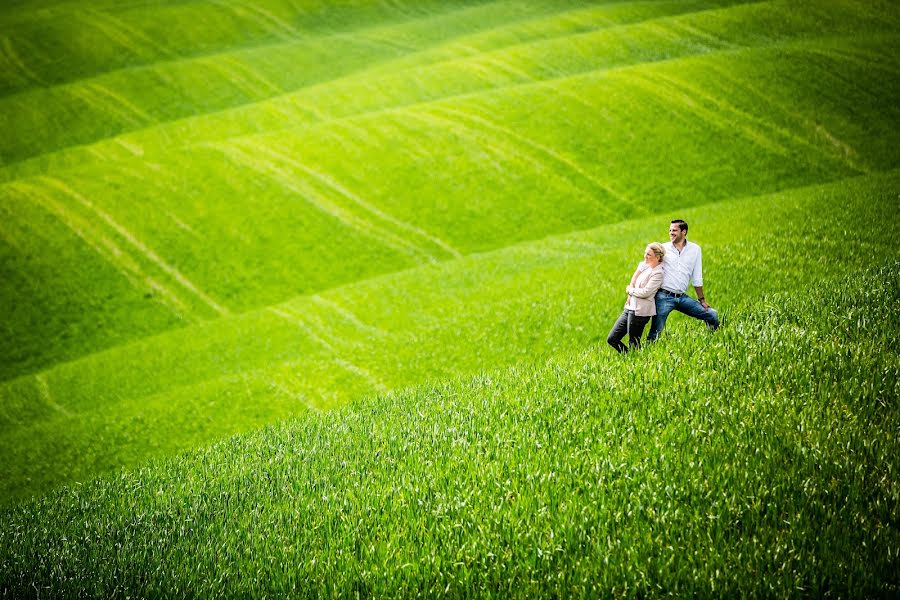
pixel 682 266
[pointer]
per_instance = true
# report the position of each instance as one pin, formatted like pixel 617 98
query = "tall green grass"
pixel 761 460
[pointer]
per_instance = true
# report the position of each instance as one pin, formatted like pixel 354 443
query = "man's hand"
pixel 701 297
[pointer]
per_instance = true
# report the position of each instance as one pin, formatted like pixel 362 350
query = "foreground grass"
pixel 760 460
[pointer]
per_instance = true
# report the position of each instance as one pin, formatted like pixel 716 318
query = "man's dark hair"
pixel 681 224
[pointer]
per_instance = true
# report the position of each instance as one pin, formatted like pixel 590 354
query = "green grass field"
pixel 311 298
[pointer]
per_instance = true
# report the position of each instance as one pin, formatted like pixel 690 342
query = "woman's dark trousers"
pixel 627 324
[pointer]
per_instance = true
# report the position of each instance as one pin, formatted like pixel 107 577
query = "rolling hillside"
pixel 296 221
pixel 761 459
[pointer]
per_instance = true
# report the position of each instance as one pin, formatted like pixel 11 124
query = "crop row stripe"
pixel 316 330
pixel 139 245
pixel 108 102
pixel 118 32
pixel 255 159
pixel 292 317
pixel 743 119
pixel 271 23
pixel 489 76
pixel 11 58
pixel 104 246
pixel 274 166
pixel 245 78
pixel 544 151
pixel 346 315
pixel 40 381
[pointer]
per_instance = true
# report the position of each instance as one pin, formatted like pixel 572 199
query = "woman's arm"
pixel 649 290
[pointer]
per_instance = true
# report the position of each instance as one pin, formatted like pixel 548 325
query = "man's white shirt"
pixel 681 269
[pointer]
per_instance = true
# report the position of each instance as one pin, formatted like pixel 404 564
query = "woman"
pixel 641 305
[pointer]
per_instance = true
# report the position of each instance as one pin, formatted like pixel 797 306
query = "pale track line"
pixel 243 77
pixel 291 317
pixel 673 94
pixel 44 391
pixel 544 150
pixel 348 217
pixel 517 74
pixel 12 58
pixel 369 207
pixel 276 22
pixel 364 373
pixel 504 153
pixel 346 314
pixel 737 119
pixel 285 391
pixel 856 55
pixel 848 152
pixel 847 155
pixel 499 155
pixel 135 242
pixel 294 96
pixel 107 101
pixel 105 247
pixel 122 34
pixel 181 224
pixel 134 149
pixel 251 158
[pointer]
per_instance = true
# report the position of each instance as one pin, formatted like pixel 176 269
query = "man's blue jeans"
pixel 684 304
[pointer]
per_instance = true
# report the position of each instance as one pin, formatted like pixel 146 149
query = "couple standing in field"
pixel 659 286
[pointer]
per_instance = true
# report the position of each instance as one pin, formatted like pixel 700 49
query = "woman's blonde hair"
pixel 657 249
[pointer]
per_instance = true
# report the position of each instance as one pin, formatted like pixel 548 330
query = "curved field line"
pixel 347 315
pixel 276 23
pixel 136 243
pixel 288 393
pixel 488 78
pixel 245 78
pixel 291 317
pixel 104 246
pixel 269 22
pixel 369 207
pixel 503 152
pixel 739 119
pixel 107 101
pixel 856 55
pixel 12 58
pixel 253 158
pixel 674 93
pixel 345 215
pixel 364 373
pixel 122 34
pixel 546 151
pixel 44 392
pixel 504 66
pixel 847 154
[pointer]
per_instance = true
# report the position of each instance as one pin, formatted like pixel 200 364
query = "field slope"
pixel 310 297
pixel 759 460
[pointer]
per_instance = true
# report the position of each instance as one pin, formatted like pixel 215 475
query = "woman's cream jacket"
pixel 641 294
